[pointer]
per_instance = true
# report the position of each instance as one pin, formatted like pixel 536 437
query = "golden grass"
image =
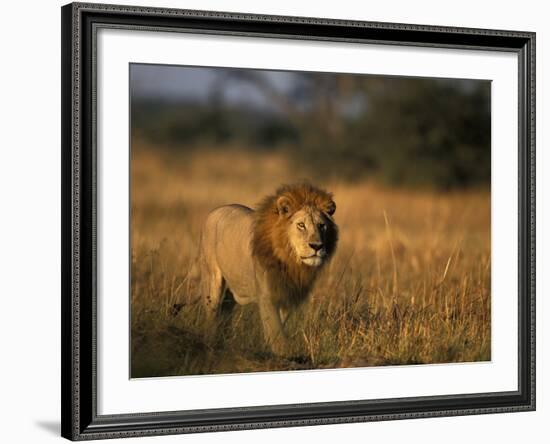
pixel 409 283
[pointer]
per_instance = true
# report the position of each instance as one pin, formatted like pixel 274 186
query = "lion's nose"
pixel 316 245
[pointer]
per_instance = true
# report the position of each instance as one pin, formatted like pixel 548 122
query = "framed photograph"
pixel 282 221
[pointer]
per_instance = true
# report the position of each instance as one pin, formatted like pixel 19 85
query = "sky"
pixel 190 83
pixel 197 83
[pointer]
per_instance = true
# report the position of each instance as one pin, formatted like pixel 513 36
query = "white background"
pixel 30 218
pixel 118 394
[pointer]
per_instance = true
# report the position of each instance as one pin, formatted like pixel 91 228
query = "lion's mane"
pixel 270 243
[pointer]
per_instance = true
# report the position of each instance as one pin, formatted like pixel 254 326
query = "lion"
pixel 270 256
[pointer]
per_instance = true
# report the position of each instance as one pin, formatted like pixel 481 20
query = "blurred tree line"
pixel 402 131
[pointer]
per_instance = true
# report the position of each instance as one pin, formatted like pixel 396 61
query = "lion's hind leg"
pixel 284 315
pixel 219 303
pixel 213 294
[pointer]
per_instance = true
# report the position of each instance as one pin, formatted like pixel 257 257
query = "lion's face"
pixel 295 227
pixel 307 235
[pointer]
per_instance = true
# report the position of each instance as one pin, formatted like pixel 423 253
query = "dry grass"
pixel 409 284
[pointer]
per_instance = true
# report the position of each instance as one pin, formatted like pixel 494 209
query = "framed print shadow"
pixel 277 221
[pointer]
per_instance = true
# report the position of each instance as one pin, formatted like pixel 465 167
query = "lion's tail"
pixel 192 278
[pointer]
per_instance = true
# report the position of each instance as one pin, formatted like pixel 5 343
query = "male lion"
pixel 270 256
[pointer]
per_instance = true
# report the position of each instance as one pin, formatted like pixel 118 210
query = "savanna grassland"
pixel 409 283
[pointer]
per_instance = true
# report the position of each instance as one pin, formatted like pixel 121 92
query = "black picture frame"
pixel 79 170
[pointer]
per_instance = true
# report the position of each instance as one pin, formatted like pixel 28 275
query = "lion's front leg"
pixel 273 327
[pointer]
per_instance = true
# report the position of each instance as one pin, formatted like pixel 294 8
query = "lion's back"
pixel 228 226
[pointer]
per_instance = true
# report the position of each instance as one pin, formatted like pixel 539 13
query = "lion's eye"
pixel 301 226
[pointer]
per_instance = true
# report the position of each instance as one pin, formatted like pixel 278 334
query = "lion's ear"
pixel 284 206
pixel 330 208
